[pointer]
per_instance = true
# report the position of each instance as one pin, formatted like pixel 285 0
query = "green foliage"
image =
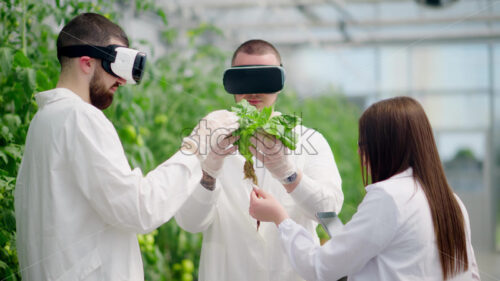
pixel 24 71
pixel 251 121
pixel 464 154
pixel 177 90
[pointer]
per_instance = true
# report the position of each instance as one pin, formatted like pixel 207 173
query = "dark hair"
pixel 256 47
pixel 89 28
pixel 395 134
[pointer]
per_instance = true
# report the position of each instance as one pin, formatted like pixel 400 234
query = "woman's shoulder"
pixel 401 187
pixel 397 181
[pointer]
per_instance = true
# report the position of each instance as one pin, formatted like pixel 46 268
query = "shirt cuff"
pixel 205 196
pixel 302 191
pixel 285 225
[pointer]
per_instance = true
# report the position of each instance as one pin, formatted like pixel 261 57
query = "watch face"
pixel 291 178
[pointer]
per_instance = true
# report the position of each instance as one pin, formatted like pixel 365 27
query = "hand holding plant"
pixel 273 154
pixel 211 140
pixel 264 207
pixel 252 122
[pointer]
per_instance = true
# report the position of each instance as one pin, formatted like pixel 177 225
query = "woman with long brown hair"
pixel 409 226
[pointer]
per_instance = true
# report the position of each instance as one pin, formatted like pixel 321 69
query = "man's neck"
pixel 77 86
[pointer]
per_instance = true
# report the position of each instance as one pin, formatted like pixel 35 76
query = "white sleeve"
pixel 320 187
pixel 473 263
pixel 370 230
pixel 198 213
pixel 121 196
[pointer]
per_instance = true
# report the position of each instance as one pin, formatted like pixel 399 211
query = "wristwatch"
pixel 290 179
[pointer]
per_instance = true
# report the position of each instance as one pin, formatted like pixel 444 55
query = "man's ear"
pixel 87 64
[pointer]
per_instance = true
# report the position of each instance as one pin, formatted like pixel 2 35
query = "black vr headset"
pixel 254 79
pixel 116 60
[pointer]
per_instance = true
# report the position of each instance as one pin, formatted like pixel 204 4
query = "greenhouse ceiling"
pixel 335 22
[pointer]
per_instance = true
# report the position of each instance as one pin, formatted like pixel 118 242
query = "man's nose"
pixel 121 81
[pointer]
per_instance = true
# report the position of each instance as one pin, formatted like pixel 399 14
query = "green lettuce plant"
pixel 253 121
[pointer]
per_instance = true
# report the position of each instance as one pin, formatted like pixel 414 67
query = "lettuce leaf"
pixel 252 121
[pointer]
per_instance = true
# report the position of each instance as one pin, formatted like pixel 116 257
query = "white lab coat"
pixel 391 237
pixel 232 248
pixel 79 205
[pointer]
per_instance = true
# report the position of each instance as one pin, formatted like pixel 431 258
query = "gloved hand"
pixel 212 164
pixel 210 140
pixel 274 155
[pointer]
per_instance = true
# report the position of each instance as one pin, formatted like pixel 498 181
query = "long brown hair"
pixel 395 134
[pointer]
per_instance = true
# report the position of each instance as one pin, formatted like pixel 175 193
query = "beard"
pixel 100 96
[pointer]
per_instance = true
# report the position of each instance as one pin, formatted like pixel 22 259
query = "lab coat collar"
pixel 404 174
pixel 44 98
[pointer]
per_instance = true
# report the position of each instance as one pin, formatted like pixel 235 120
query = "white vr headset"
pixel 116 60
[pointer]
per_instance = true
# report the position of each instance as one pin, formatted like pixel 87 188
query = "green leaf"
pixel 7 220
pixel 43 82
pixel 12 120
pixel 265 114
pixel 3 265
pixel 3 157
pixel 6 59
pixel 251 121
pixel 21 60
pixel 6 181
pixel 14 151
pixel 163 16
pixel 6 134
pixel 27 76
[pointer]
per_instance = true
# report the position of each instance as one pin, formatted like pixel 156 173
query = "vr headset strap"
pixel 247 65
pixel 92 51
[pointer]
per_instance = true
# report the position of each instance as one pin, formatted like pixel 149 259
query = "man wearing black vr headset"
pixel 306 181
pixel 78 203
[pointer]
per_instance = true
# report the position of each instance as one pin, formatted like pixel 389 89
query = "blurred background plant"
pixel 178 89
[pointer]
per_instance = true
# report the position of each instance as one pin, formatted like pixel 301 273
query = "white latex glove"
pixel 275 113
pixel 274 155
pixel 210 140
pixel 212 164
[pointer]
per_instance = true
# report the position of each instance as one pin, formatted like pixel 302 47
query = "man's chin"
pixel 109 101
pixel 103 103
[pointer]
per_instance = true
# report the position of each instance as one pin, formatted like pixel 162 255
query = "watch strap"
pixel 290 179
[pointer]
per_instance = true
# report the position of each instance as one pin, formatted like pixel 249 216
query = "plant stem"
pixel 249 172
pixel 24 28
